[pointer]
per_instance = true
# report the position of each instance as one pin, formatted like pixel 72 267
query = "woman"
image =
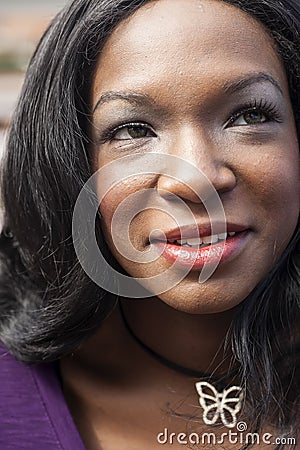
pixel 183 90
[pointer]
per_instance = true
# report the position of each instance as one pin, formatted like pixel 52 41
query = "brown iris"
pixel 137 132
pixel 254 117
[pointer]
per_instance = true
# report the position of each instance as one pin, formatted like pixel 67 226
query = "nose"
pixel 202 169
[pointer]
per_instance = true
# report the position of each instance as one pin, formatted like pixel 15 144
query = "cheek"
pixel 127 197
pixel 107 208
pixel 115 197
pixel 282 185
pixel 273 177
pixel 120 209
pixel 277 190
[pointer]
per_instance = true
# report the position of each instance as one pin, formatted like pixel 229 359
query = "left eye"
pixel 253 117
pixel 133 131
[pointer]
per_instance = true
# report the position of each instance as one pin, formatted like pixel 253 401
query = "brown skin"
pixel 182 54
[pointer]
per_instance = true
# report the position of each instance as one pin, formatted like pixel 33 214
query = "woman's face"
pixel 199 80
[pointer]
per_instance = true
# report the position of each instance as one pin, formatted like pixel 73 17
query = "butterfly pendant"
pixel 224 405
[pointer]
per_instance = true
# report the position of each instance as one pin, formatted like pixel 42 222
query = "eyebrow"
pixel 234 86
pixel 231 87
pixel 132 97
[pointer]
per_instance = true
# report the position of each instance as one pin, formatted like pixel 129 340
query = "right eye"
pixel 132 131
pixel 255 113
pixel 251 117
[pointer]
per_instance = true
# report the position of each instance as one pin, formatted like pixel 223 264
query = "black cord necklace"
pixel 219 381
pixel 219 404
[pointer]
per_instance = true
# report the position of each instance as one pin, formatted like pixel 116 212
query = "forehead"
pixel 206 39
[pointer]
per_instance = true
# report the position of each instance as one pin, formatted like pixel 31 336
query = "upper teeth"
pixel 195 242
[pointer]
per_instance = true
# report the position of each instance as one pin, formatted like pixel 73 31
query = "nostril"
pixel 174 189
pixel 168 195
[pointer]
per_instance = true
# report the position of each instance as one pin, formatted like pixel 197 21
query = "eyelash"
pixel 265 107
pixel 268 109
pixel 108 135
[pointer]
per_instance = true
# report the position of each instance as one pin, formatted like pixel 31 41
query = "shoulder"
pixel 32 407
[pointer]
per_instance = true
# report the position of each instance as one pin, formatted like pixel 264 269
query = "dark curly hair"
pixel 48 305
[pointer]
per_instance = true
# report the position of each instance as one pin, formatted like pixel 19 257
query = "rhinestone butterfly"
pixel 224 405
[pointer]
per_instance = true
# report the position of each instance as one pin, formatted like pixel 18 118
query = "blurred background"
pixel 22 22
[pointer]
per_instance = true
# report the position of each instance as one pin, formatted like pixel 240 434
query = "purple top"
pixel 33 411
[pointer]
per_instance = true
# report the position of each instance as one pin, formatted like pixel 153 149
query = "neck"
pixel 191 341
pixel 111 370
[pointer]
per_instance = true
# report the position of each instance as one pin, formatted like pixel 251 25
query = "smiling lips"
pixel 191 247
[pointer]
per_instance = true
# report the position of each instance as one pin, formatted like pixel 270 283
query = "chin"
pixel 199 305
pixel 207 298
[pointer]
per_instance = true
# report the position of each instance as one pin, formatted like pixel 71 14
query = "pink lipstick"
pixel 193 247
